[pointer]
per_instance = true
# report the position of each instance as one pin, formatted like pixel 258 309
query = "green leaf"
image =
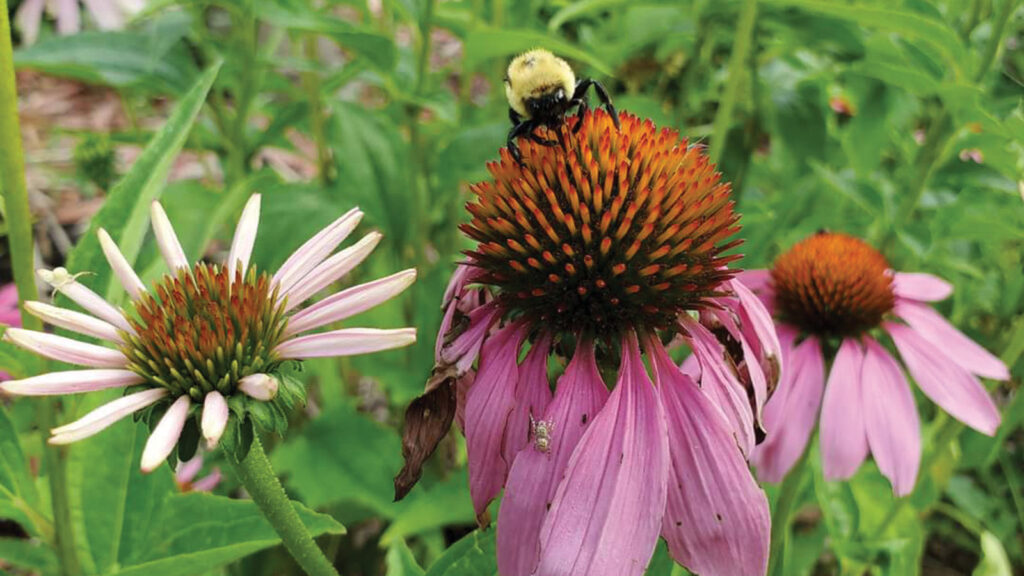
pixel 994 561
pixel 17 487
pixel 198 532
pixel 30 554
pixel 13 360
pixel 432 507
pixel 401 562
pixel 125 213
pixel 117 59
pixel 483 44
pixel 474 555
pixel 354 458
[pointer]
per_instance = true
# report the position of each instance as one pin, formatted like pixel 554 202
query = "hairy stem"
pixel 263 486
pixel 20 239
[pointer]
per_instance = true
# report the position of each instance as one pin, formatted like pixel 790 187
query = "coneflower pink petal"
pixel 122 269
pixel 350 302
pixel 759 330
pixel 330 270
pixel 214 419
pixel 67 16
pixel 790 415
pixel 65 349
pixel 165 436
pixel 167 240
pixel 716 518
pixel 74 321
pixel 488 405
pixel 27 19
pixel 245 237
pixel 262 387
pixel 102 417
pixel 345 342
pixel 606 515
pixel 532 396
pixel 890 418
pixel 71 382
pixel 186 472
pixel 65 283
pixel 535 473
pixel 207 483
pixel 960 349
pixel 755 362
pixel 844 442
pixel 107 15
pixel 719 382
pixel 462 386
pixel 465 274
pixel 921 287
pixel 948 384
pixel 313 252
pixel 463 350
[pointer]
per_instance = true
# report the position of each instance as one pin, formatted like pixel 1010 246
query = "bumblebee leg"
pixel 520 129
pixel 602 95
pixel 514 117
pixel 581 112
pixel 542 141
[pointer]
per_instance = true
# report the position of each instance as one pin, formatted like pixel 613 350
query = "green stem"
pixel 311 83
pixel 740 53
pixel 999 27
pixel 20 239
pixel 783 512
pixel 263 486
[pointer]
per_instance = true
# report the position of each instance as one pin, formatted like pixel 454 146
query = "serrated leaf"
pixel 474 555
pixel 125 213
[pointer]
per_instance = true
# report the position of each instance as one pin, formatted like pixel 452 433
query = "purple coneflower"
pixel 9 315
pixel 599 249
pixel 206 341
pixel 833 295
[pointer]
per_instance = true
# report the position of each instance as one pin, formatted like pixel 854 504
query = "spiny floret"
pixel 609 230
pixel 202 331
pixel 833 284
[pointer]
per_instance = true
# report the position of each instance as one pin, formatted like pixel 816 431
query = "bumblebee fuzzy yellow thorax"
pixel 534 74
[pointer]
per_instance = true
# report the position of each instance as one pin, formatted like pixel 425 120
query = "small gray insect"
pixel 542 430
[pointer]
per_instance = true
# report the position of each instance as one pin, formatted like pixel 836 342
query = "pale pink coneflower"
pixel 597 251
pixel 833 296
pixel 206 341
pixel 185 474
pixel 9 315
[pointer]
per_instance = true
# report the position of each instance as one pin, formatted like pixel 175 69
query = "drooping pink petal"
pixel 262 387
pixel 464 348
pixel 844 442
pixel 488 405
pixel 947 383
pixel 27 20
pixel 607 512
pixel 536 472
pixel 166 434
pixel 74 321
pixel 960 349
pixel 71 382
pixel 167 240
pixel 207 483
pixel 245 237
pixel 532 396
pixel 462 386
pixel 68 18
pixel 107 14
pixel 759 330
pixel 214 419
pixel 719 382
pixel 890 418
pixel 751 370
pixel 790 415
pixel 122 269
pixel 330 270
pixel 756 280
pixel 313 252
pixel 350 302
pixel 102 417
pixel 716 519
pixel 921 287
pixel 65 349
pixel 65 283
pixel 186 472
pixel 345 342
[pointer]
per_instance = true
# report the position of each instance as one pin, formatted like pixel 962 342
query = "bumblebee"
pixel 541 89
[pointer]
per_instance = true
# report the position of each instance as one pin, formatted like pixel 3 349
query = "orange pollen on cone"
pixel 833 284
pixel 202 330
pixel 606 230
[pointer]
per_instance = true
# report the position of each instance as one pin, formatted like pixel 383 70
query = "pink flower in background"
pixel 830 292
pixel 107 15
pixel 206 338
pixel 597 265
pixel 185 476
pixel 9 314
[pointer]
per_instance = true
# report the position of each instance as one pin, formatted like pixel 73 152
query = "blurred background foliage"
pixel 900 121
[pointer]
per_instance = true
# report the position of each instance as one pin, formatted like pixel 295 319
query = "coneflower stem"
pixel 781 515
pixel 740 53
pixel 19 236
pixel 265 489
